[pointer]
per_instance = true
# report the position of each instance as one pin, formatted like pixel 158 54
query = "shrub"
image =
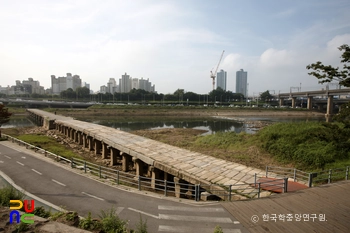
pixel 111 222
pixel 307 144
pixel 41 212
pixel 141 227
pixel 9 193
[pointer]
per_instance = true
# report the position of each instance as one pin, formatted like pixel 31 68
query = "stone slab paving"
pixel 202 168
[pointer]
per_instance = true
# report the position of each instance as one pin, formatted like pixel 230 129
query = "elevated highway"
pixel 311 94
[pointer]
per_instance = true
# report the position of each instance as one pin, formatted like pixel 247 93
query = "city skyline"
pixel 174 43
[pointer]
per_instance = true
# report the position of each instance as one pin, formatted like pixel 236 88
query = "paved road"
pixel 61 186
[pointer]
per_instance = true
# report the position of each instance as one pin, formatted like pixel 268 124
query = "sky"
pixel 173 43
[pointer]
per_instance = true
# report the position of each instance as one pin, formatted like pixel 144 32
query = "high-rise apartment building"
pixel 135 83
pixel 125 83
pixel 221 79
pixel 63 83
pixel 111 85
pixel 241 82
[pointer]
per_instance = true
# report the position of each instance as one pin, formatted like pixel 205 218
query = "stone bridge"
pixel 149 157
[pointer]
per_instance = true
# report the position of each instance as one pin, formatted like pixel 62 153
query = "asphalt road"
pixel 58 184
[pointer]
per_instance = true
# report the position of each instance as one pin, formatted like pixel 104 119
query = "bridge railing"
pixel 311 178
pixel 331 175
pixel 291 173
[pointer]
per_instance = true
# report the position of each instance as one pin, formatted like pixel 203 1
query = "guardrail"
pixel 197 191
pixel 311 178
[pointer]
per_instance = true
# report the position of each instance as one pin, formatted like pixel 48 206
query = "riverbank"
pixel 106 110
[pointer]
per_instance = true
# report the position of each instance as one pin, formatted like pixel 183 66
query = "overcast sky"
pixel 173 43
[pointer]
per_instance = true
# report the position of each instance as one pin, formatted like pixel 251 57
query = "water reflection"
pixel 212 125
pixel 18 121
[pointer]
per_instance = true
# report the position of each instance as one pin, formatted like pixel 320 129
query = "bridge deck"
pixel 185 163
pixel 330 201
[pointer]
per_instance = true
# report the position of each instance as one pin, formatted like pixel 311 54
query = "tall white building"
pixel 125 83
pixel 221 79
pixel 241 82
pixel 135 83
pixel 63 83
pixel 111 85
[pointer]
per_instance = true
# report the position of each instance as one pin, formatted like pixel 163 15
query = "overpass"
pixel 151 158
pixel 311 94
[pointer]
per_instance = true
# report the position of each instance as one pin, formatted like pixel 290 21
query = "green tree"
pixel 266 96
pixel 83 92
pixel 329 73
pixel 4 116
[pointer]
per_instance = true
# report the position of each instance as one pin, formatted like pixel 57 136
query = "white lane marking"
pixel 119 210
pixel 190 209
pixel 37 172
pixel 7 156
pixel 20 163
pixel 141 212
pixel 23 157
pixel 98 198
pixel 190 229
pixel 57 182
pixel 1 161
pixel 236 222
pixel 194 218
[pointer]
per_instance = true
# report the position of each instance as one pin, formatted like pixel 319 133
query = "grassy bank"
pixel 308 145
pixel 47 143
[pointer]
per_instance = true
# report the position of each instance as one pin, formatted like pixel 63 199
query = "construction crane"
pixel 213 75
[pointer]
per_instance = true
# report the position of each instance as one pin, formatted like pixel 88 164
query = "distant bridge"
pixel 45 103
pixel 311 94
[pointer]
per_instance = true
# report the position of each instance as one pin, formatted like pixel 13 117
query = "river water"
pixel 209 124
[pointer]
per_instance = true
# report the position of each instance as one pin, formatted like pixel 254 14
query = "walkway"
pixel 321 209
pixel 193 167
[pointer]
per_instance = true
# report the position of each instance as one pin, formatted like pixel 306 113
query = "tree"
pixel 329 73
pixel 4 116
pixel 266 96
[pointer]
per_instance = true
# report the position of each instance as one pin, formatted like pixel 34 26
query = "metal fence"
pixel 311 178
pixel 240 190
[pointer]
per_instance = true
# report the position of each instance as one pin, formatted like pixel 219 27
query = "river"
pixel 211 124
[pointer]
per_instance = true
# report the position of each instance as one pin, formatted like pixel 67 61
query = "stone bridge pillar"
pixel 293 101
pixel 76 135
pixel 80 138
pixel 114 156
pixel 126 159
pixel 154 175
pixel 84 140
pixel 98 147
pixel 178 187
pixel 91 145
pixel 104 150
pixel 309 102
pixel 139 164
